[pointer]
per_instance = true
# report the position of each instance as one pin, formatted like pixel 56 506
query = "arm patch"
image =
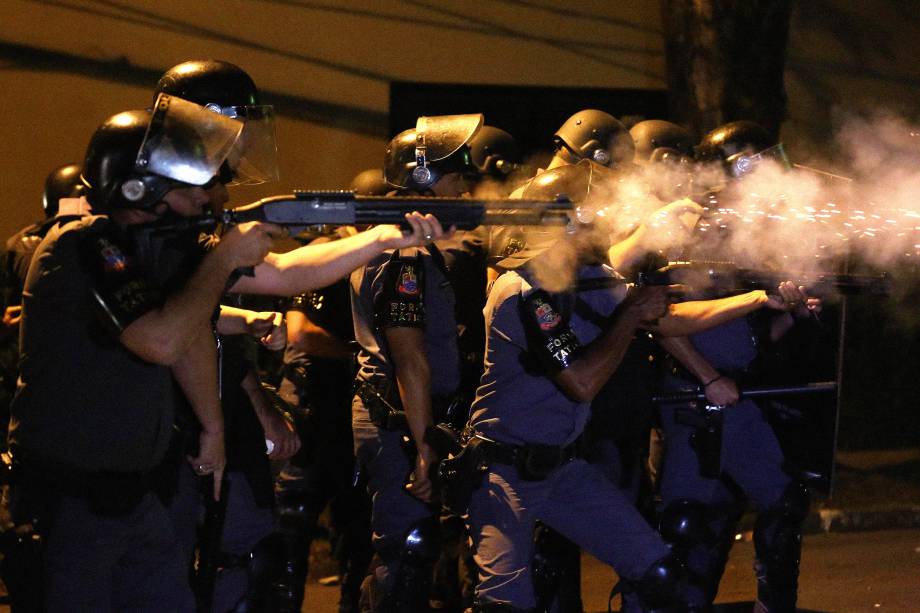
pixel 402 302
pixel 550 338
pixel 121 291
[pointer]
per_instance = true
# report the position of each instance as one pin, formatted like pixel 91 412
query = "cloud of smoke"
pixel 800 220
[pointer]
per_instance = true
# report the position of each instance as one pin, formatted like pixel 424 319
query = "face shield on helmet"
pixel 186 142
pixel 746 161
pixel 590 187
pixel 227 89
pixel 442 142
pixel 254 157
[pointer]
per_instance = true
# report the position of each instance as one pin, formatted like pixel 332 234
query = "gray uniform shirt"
pixel 516 404
pixel 435 299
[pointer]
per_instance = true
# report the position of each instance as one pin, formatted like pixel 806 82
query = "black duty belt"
pixel 534 462
pixel 385 409
pixel 383 405
pixel 108 492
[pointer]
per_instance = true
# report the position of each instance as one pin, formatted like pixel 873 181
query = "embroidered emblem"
pixel 546 316
pixel 408 281
pixel 113 258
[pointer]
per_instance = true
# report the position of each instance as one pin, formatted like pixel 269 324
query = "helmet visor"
pixel 186 142
pixel 744 163
pixel 254 157
pixel 442 136
pixel 670 155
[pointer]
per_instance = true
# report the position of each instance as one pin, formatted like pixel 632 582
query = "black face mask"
pixel 168 249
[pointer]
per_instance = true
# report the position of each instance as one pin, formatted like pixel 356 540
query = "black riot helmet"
pixel 590 186
pixel 214 83
pixel 495 152
pixel 134 158
pixel 63 182
pixel 417 159
pixel 229 90
pixel 595 135
pixel 657 140
pixel 370 182
pixel 740 146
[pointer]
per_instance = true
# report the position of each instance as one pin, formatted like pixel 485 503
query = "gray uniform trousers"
pixel 577 501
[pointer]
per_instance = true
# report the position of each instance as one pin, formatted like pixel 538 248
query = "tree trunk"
pixel 725 61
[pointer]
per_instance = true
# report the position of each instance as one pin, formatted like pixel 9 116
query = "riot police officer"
pixel 403 307
pixel 62 183
pixel 101 345
pixel 228 90
pixel 729 451
pixel 546 361
pixel 592 135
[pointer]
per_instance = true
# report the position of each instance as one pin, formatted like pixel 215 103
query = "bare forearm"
pixel 625 254
pixel 306 336
pixel 196 374
pixel 233 320
pixel 599 360
pixel 163 335
pixel 253 389
pixel 312 266
pixel 413 380
pixel 686 318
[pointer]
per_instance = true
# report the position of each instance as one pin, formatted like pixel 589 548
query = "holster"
pixel 461 475
pixel 383 405
pixel 707 439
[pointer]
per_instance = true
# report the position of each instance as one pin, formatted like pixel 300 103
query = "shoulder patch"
pixel 402 301
pixel 545 314
pixel 113 258
pixel 551 341
pixel 407 283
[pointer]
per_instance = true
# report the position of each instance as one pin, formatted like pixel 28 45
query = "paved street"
pixel 865 571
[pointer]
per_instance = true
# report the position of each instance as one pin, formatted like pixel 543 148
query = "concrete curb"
pixel 862 520
pixel 824 520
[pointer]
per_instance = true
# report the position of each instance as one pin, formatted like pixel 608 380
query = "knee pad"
pixel 419 550
pixel 685 523
pixel 700 536
pixel 660 587
pixel 422 543
pixel 778 544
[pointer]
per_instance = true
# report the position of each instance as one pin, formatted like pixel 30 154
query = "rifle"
pixel 699 395
pixel 720 278
pixel 724 277
pixel 303 209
